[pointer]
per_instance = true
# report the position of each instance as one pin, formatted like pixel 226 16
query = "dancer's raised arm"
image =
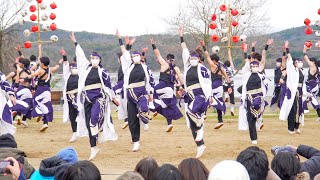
pixel 264 54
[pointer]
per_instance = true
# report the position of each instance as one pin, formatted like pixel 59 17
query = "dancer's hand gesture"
pixel 286 44
pixel 73 38
pixel 63 52
pixel 118 34
pixel 270 41
pixel 181 31
pixel 253 43
pixel 18 47
pixel 151 41
pixel 132 41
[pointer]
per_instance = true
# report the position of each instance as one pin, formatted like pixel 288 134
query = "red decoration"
pixel 234 12
pixel 234 23
pixel 53 26
pixel 244 46
pixel 53 5
pixel 235 39
pixel 52 16
pixel 308 30
pixel 32 8
pixel 39 1
pixel 308 44
pixel 214 38
pixel 319 11
pixel 27 44
pixel 213 25
pixel 213 17
pixel 34 28
pixel 223 7
pixel 307 22
pixel 33 17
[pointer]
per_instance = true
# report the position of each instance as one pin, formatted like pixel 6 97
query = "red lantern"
pixel 34 28
pixel 307 22
pixel 213 25
pixel 235 39
pixel 32 8
pixel 53 26
pixel 39 1
pixel 213 17
pixel 33 17
pixel 223 7
pixel 234 12
pixel 214 38
pixel 319 11
pixel 53 5
pixel 308 30
pixel 234 23
pixel 27 44
pixel 52 16
pixel 244 46
pixel 308 44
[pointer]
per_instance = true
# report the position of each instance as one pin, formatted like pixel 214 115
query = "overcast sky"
pixel 135 17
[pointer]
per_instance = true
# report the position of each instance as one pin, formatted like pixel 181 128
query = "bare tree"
pixel 195 17
pixel 9 10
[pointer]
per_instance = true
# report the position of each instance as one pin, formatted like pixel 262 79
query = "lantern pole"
pixel 39 26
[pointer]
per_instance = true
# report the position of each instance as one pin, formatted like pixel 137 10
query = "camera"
pixel 3 167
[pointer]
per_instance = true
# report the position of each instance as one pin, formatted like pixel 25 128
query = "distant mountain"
pixel 107 45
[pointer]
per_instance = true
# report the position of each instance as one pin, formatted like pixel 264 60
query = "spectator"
pixel 146 167
pixel 82 170
pixel 130 175
pixel 255 160
pixel 228 170
pixel 311 165
pixel 285 165
pixel 8 148
pixel 167 172
pixel 303 176
pixel 192 168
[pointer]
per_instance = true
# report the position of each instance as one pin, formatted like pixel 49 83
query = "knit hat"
pixel 228 170
pixel 8 141
pixel 68 154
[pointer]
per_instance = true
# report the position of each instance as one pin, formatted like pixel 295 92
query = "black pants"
pixel 219 112
pixel 318 112
pixel 231 96
pixel 87 111
pixel 292 118
pixel 194 128
pixel 133 121
pixel 73 113
pixel 252 123
pixel 277 91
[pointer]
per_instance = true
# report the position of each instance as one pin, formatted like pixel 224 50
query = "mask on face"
pixel 194 62
pixel 74 71
pixel 300 65
pixel 95 62
pixel 278 64
pixel 255 69
pixel 136 59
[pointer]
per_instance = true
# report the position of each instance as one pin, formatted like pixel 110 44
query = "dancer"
pixel 12 76
pixel 254 90
pixel 217 71
pixel 164 100
pixel 94 94
pixel 198 93
pixel 292 107
pixel 137 91
pixel 42 106
pixel 70 94
pixel 312 83
pixel 23 94
pixel 230 71
pixel 119 91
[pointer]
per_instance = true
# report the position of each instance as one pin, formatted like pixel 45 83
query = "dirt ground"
pixel 116 157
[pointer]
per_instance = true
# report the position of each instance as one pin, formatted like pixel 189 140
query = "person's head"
pixel 279 62
pixel 25 63
pixel 82 170
pixel 314 61
pixel 298 63
pixel 254 65
pixel 303 176
pixel 136 57
pixel 170 59
pixel 130 175
pixel 20 59
pixel 33 65
pixel 33 58
pixel 73 68
pixel 7 141
pixel 146 167
pixel 256 162
pixel 194 58
pixel 193 169
pixel 285 165
pixel 256 57
pixel 95 59
pixel 228 170
pixel 44 62
pixel 167 172
pixel 227 63
pixel 215 58
pixel 68 154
